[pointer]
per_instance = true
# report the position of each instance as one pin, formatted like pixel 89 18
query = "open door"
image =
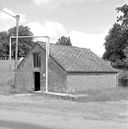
pixel 37 81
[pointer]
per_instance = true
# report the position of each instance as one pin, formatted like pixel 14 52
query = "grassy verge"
pixel 115 94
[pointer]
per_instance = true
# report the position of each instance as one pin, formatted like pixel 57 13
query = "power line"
pixel 8 13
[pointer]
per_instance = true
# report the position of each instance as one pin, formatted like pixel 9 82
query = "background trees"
pixel 64 41
pixel 116 42
pixel 4 44
pixel 24 44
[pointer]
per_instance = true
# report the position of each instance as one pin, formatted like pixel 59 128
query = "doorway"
pixel 37 81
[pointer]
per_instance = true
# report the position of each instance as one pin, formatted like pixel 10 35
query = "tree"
pixel 3 44
pixel 24 44
pixel 116 41
pixel 64 41
pixel 123 19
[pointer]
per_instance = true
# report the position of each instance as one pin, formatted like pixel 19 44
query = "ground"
pixel 41 111
pixel 96 110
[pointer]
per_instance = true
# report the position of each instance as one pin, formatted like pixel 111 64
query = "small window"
pixel 36 60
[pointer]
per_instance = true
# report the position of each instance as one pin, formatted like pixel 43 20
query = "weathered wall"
pixel 90 81
pixel 58 82
pixel 25 76
pixel 57 77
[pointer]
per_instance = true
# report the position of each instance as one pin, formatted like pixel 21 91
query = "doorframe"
pixel 34 81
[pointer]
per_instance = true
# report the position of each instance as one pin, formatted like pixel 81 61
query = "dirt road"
pixel 42 112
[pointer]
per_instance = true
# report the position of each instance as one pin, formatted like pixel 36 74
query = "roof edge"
pixel 82 72
pixel 26 55
pixel 45 50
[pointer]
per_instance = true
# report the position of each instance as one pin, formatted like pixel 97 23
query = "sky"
pixel 86 22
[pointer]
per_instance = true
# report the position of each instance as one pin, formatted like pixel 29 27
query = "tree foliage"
pixel 24 44
pixel 64 41
pixel 4 48
pixel 123 19
pixel 116 42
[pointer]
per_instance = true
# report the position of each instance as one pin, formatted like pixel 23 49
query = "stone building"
pixel 71 70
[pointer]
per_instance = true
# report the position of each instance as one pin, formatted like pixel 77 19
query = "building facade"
pixel 70 70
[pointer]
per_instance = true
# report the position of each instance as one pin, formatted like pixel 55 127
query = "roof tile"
pixel 74 59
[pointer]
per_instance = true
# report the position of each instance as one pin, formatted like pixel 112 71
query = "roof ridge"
pixel 73 58
pixel 67 46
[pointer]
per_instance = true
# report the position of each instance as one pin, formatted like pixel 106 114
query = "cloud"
pixel 92 41
pixel 8 21
pixel 80 39
pixel 39 2
pixel 52 29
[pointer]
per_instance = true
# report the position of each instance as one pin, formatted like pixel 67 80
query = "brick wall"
pixel 92 81
pixel 58 82
pixel 25 76
pixel 57 77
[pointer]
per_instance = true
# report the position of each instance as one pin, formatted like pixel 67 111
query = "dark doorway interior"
pixel 37 81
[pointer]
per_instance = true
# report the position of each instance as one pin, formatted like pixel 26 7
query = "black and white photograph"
pixel 63 64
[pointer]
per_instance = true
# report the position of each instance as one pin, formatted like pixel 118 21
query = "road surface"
pixel 42 112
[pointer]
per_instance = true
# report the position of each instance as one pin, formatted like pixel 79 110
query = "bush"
pixel 123 82
pixel 123 78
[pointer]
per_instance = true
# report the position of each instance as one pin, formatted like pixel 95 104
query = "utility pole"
pixel 16 50
pixel 17 17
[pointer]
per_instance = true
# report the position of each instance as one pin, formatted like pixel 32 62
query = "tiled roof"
pixel 74 59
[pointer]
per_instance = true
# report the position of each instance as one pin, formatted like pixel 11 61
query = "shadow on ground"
pixel 18 125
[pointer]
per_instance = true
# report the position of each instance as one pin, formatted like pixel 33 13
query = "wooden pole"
pixel 16 49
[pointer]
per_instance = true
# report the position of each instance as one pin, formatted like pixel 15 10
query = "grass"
pixel 114 94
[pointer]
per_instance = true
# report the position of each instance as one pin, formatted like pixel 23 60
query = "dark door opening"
pixel 37 81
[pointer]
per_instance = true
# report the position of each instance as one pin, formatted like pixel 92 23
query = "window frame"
pixel 36 60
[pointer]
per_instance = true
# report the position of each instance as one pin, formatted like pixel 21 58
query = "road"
pixel 42 112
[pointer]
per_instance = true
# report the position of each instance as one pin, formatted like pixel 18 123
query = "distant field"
pixel 6 76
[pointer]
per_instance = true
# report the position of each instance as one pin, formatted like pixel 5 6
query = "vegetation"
pixel 116 42
pixel 64 41
pixel 113 94
pixel 24 44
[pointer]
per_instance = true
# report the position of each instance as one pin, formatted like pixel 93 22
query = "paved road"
pixel 47 113
pixel 18 125
pixel 29 120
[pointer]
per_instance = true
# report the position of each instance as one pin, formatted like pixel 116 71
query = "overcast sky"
pixel 87 22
